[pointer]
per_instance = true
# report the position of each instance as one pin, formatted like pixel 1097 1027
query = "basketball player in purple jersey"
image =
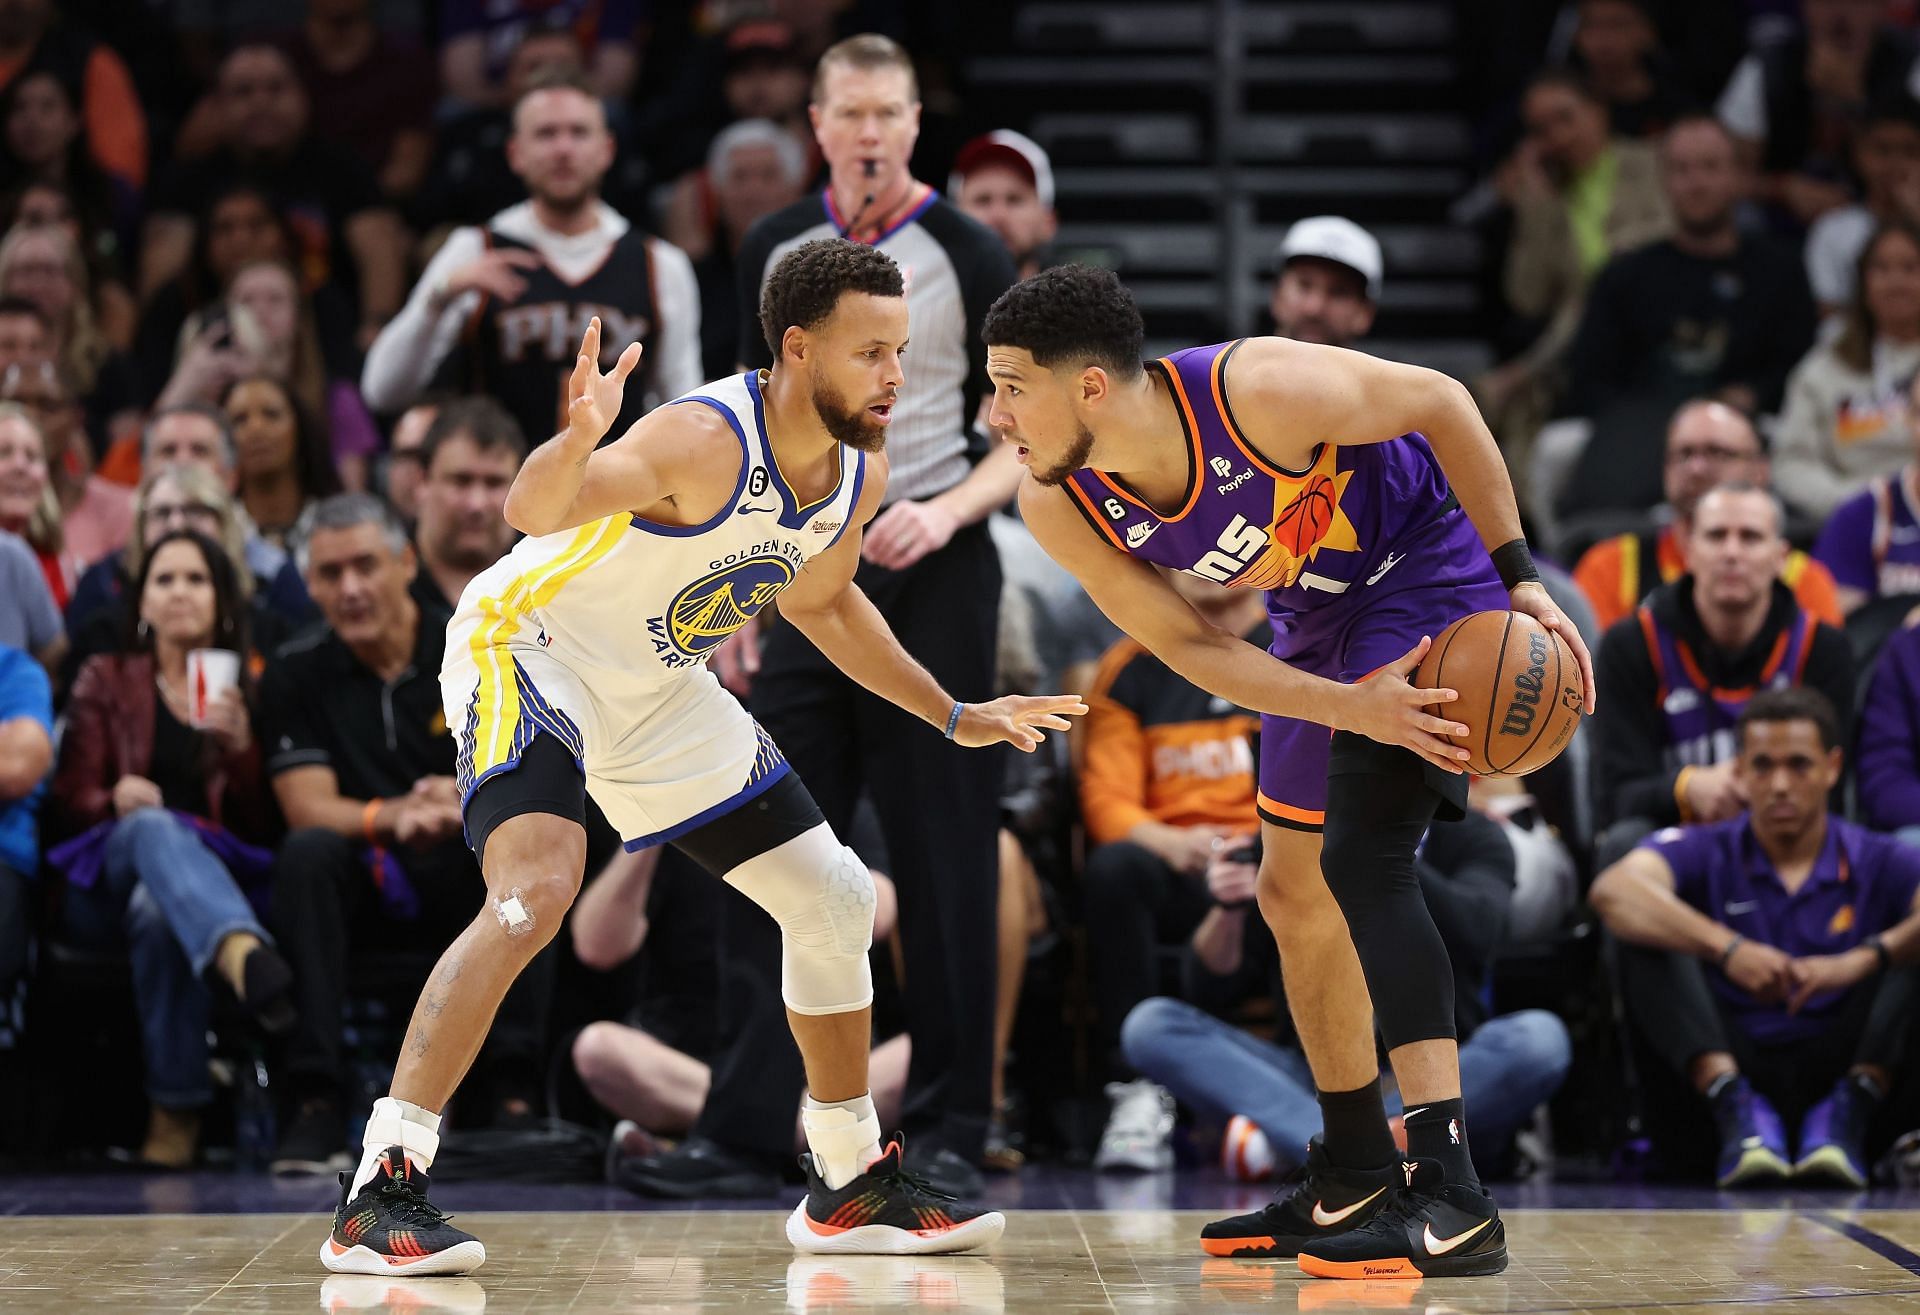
pixel 1325 477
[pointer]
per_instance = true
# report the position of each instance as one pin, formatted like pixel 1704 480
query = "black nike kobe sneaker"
pixel 1325 1201
pixel 1432 1229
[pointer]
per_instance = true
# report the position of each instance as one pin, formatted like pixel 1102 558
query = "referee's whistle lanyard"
pixel 869 230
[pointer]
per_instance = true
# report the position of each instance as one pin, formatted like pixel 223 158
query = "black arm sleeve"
pixel 1630 778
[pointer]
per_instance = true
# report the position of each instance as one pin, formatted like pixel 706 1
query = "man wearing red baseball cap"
pixel 1004 180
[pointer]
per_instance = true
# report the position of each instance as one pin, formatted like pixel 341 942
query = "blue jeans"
pixel 1507 1067
pixel 165 897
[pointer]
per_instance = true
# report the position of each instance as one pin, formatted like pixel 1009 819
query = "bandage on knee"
pixel 822 896
pixel 514 915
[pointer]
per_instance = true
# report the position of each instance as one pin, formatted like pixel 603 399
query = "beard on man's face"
pixel 850 425
pixel 1075 458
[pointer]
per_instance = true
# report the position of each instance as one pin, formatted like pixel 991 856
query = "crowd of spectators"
pixel 283 311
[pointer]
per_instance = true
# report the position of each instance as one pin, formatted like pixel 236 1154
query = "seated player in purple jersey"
pixel 1766 960
pixel 1326 478
pixel 1871 543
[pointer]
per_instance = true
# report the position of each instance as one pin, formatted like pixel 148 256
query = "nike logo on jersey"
pixel 1139 534
pixel 1393 560
pixel 1326 1218
pixel 758 482
pixel 1439 1246
pixel 1737 907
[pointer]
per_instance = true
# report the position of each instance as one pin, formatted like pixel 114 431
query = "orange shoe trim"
pixel 1233 1246
pixel 830 1230
pixel 1396 1267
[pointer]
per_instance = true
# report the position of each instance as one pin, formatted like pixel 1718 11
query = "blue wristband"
pixel 953 718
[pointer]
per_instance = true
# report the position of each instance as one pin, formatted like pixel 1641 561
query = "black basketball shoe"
pixel 391 1228
pixel 887 1211
pixel 1433 1229
pixel 1325 1201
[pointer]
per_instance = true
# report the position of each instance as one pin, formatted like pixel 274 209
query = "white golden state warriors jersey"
pixel 645 600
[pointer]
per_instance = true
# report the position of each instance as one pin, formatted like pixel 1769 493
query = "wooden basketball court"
pixel 1814 1261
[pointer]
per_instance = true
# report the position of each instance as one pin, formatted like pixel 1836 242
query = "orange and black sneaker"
pixel 1325 1200
pixel 887 1211
pixel 1433 1229
pixel 390 1227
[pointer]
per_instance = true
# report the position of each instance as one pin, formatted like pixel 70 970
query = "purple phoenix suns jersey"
pixel 1309 537
pixel 1361 553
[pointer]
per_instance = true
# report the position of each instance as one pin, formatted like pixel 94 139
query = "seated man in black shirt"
pixel 1709 311
pixel 363 765
pixel 1674 676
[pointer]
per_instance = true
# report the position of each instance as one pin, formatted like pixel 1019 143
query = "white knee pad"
pixel 821 894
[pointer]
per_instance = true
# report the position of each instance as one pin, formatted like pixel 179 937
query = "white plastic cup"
pixel 211 672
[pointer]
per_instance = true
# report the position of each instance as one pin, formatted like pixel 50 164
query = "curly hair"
pixel 808 282
pixel 1070 315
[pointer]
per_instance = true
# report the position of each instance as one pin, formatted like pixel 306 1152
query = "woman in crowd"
pixel 164 820
pixel 285 461
pixel 1845 418
pixel 28 506
pixel 268 328
pixel 191 498
pixel 96 515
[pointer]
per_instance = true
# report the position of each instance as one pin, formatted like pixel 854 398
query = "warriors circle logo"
pixel 710 609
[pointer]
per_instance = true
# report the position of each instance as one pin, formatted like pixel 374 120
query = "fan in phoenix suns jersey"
pixel 576 665
pixel 1369 501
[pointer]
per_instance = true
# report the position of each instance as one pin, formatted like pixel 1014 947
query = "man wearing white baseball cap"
pixel 1004 180
pixel 1328 284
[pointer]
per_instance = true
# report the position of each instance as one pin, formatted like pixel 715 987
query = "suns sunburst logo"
pixel 1308 518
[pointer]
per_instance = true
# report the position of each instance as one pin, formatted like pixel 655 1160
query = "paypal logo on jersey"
pixel 1224 469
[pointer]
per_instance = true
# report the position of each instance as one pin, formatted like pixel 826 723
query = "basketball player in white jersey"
pixel 576 664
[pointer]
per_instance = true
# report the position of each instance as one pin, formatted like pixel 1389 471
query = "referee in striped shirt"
pixel 931 569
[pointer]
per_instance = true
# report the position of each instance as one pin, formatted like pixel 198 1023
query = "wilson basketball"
pixel 1519 690
pixel 1306 520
